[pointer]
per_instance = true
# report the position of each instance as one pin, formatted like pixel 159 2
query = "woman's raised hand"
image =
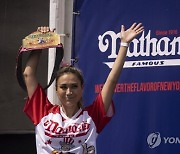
pixel 128 35
pixel 45 29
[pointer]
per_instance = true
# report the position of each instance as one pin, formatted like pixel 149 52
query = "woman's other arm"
pixel 126 37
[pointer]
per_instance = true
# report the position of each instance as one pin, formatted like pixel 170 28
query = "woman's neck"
pixel 70 112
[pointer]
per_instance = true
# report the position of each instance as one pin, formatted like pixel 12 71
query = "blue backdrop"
pixel 147 96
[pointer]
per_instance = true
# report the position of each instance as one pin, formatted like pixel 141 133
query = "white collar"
pixel 66 117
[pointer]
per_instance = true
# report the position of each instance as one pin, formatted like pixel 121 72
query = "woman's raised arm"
pixel 126 37
pixel 30 72
pixel 31 67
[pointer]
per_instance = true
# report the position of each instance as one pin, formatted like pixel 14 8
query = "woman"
pixel 67 127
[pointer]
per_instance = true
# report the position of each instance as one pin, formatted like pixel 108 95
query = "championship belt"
pixel 38 41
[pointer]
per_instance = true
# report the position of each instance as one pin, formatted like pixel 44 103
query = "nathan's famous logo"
pixel 155 139
pixel 144 47
pixel 53 129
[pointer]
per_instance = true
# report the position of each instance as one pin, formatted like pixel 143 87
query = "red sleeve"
pixel 98 114
pixel 37 107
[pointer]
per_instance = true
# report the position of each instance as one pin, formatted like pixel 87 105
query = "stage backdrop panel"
pixel 147 95
pixel 17 20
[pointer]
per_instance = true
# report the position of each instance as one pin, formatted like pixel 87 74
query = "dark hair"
pixel 70 69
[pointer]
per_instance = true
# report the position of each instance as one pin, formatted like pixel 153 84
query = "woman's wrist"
pixel 124 44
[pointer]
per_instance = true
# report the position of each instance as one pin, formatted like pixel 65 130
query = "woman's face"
pixel 69 90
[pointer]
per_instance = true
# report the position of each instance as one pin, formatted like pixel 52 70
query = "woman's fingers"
pixel 43 29
pixel 138 28
pixel 122 28
pixel 133 26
